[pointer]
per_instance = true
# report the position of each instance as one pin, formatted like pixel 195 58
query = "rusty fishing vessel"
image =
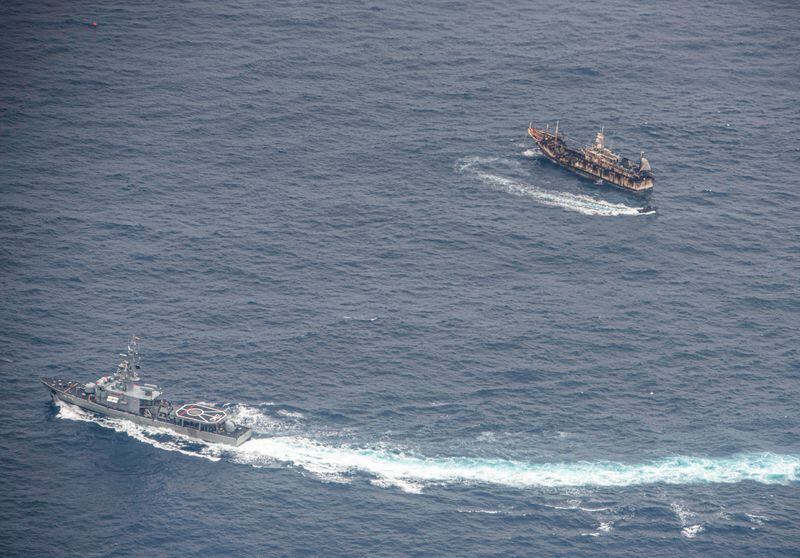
pixel 595 161
pixel 121 395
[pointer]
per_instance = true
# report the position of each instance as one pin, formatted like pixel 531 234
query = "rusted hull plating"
pixel 559 153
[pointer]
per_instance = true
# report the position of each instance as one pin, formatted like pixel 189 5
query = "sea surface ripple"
pixel 328 219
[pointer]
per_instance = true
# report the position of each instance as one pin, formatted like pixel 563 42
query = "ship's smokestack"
pixel 600 140
pixel 644 165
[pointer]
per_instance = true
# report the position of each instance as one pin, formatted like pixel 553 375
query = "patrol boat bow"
pixel 120 396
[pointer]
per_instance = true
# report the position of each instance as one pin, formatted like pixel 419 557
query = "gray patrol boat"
pixel 120 396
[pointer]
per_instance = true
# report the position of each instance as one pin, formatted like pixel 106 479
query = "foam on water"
pixel 397 468
pixel 412 473
pixel 692 531
pixel 290 414
pixel 576 505
pixel 160 438
pixel 487 512
pixel 254 418
pixel 606 526
pixel 586 205
pixel 685 516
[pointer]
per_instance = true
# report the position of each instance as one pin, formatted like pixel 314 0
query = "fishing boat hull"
pixel 586 164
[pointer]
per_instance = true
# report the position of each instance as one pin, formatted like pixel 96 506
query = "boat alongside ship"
pixel 595 161
pixel 121 396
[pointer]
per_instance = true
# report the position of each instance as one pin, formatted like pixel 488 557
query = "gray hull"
pixel 189 432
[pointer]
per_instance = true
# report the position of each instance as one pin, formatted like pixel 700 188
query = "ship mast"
pixel 126 370
pixel 556 130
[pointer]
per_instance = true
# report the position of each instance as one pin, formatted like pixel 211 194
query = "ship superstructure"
pixel 595 161
pixel 121 395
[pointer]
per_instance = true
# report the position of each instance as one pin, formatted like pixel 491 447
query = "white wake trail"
pixel 579 203
pixel 411 473
pixel 161 438
pixel 403 470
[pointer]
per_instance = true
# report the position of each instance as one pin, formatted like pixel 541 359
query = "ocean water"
pixel 327 217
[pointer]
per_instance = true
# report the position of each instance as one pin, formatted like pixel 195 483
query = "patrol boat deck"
pixel 119 396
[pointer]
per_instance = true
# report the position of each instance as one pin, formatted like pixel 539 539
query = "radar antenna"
pixel 126 370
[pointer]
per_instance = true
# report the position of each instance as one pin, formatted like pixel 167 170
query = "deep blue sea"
pixel 327 217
